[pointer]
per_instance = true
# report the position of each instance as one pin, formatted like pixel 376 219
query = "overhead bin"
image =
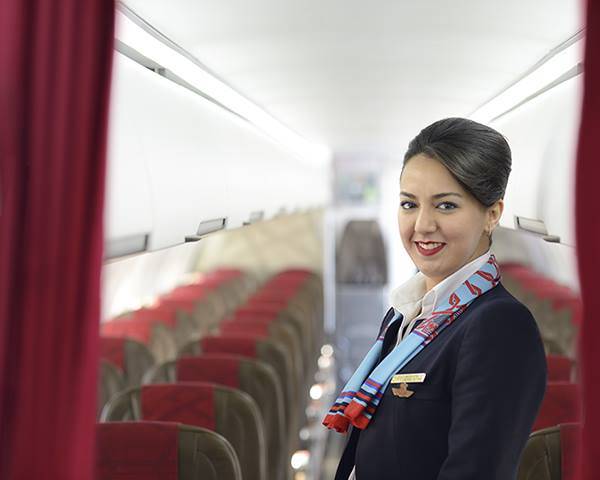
pixel 542 134
pixel 129 203
pixel 182 166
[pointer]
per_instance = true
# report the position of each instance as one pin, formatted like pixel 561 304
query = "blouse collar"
pixel 409 297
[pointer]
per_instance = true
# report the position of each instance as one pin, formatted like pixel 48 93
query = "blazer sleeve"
pixel 497 390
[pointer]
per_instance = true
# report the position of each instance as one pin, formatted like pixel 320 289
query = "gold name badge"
pixel 409 378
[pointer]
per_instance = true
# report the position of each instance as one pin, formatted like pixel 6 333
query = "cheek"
pixel 453 232
pixel 463 232
pixel 406 228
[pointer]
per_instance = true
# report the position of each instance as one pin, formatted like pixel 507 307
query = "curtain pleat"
pixel 588 246
pixel 55 60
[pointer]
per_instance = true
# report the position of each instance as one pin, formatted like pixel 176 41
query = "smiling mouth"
pixel 429 248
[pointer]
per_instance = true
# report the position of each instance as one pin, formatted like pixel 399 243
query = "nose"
pixel 425 222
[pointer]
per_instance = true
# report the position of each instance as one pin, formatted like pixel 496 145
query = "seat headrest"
pixel 258 327
pixel 237 344
pixel 220 368
pixel 187 403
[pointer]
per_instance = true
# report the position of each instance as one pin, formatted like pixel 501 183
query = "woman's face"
pixel 442 226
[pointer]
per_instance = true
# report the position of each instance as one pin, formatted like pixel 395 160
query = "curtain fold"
pixel 55 60
pixel 587 225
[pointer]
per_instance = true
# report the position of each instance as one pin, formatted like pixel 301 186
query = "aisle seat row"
pixel 260 352
pixel 186 312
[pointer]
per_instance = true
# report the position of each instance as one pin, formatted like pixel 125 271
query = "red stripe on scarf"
pixel 338 422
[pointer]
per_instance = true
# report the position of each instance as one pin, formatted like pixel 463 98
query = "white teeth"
pixel 428 246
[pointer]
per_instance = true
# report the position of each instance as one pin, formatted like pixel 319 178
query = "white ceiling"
pixel 365 76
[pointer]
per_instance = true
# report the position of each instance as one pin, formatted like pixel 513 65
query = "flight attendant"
pixel 453 384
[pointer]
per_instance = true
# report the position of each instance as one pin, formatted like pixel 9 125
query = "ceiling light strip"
pixel 560 64
pixel 148 42
pixel 576 70
pixel 163 72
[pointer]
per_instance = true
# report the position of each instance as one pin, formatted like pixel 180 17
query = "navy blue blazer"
pixel 470 418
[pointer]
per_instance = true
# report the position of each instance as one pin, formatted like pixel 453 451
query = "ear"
pixel 494 213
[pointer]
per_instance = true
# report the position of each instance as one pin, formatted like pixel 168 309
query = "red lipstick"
pixel 429 253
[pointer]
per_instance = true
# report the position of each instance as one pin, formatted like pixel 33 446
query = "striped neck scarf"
pixel 360 397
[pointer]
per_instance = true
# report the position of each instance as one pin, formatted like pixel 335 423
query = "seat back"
pixel 268 351
pixel 110 382
pixel 277 313
pixel 298 315
pixel 251 376
pixel 549 454
pixel 280 333
pixel 132 357
pixel 540 459
pixel 231 413
pixel 209 307
pixel 561 404
pixel 158 337
pixel 164 326
pixel 164 451
pixel 123 407
pixel 206 455
pixel 559 368
pixel 178 315
pixel 227 411
pixel 258 380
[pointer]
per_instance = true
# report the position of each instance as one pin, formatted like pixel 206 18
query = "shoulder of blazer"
pixel 501 327
pixel 499 306
pixel 498 296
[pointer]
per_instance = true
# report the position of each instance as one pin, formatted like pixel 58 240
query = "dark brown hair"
pixel 476 155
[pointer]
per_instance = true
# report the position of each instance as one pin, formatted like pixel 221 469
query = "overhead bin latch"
pixel 538 227
pixel 124 246
pixel 255 217
pixel 206 227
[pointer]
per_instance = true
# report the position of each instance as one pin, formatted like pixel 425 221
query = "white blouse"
pixel 415 303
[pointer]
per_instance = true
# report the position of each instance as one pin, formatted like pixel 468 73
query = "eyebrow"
pixel 437 195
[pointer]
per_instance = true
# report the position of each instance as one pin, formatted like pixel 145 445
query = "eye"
pixel 447 206
pixel 406 205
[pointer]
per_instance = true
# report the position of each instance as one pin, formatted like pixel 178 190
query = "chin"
pixel 427 268
pixel 433 273
pixel 431 268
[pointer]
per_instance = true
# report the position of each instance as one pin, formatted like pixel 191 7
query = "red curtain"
pixel 588 245
pixel 55 61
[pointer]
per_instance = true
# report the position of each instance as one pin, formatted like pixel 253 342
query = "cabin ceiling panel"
pixel 362 74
